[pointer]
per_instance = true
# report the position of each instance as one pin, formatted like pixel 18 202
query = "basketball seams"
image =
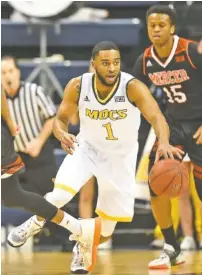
pixel 179 173
pixel 168 182
pixel 174 179
pixel 163 173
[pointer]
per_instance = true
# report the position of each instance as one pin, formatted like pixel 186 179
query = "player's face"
pixel 107 66
pixel 160 29
pixel 10 76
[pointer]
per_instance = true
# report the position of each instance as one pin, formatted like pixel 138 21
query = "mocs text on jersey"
pixel 105 114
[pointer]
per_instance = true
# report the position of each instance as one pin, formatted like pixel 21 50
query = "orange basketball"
pixel 169 177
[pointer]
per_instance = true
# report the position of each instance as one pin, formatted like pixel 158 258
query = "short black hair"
pixel 8 57
pixel 165 10
pixel 104 46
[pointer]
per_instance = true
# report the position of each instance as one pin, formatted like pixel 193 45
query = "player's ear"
pixel 92 67
pixel 172 30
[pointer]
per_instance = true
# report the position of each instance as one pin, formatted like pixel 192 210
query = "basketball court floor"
pixel 117 262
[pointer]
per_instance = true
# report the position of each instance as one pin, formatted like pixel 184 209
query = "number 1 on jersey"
pixel 108 127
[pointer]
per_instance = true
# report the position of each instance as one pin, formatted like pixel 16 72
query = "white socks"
pixel 72 224
pixel 67 222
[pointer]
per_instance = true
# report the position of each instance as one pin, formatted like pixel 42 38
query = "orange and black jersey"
pixel 179 76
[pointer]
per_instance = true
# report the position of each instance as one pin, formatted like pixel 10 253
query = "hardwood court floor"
pixel 118 262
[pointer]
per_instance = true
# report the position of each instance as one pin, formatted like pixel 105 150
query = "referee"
pixel 34 112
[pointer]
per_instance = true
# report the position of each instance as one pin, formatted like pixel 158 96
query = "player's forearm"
pixel 46 131
pixel 59 128
pixel 4 107
pixel 6 114
pixel 161 128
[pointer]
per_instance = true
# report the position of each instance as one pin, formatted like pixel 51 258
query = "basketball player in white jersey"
pixel 109 103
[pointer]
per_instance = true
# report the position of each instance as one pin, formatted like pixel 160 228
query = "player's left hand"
pixel 198 135
pixel 33 148
pixel 168 151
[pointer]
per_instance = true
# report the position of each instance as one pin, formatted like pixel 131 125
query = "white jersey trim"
pixel 170 57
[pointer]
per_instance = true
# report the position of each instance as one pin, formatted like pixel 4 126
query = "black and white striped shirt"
pixel 30 108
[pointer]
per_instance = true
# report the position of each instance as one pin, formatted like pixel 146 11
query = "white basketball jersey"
pixel 109 125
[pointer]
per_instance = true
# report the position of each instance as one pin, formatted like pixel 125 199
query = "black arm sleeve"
pixel 137 71
pixel 195 56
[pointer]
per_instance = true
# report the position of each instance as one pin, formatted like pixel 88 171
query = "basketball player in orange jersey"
pixel 109 103
pixel 174 65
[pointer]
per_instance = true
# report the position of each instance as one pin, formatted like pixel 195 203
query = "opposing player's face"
pixel 159 28
pixel 107 66
pixel 10 76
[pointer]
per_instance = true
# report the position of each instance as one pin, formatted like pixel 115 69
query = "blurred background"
pixel 52 45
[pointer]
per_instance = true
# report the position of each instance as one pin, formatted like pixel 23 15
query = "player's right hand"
pixel 168 151
pixel 67 143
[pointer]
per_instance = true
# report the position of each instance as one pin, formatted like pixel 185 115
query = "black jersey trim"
pixel 106 100
pixel 133 103
pixel 188 56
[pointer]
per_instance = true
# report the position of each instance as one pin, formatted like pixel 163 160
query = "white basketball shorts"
pixel 115 176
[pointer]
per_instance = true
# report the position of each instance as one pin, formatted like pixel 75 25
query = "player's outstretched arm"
pixel 67 108
pixel 139 95
pixel 6 114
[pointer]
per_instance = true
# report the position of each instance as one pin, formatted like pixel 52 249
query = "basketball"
pixel 169 177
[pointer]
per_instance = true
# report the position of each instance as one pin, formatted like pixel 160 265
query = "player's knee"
pixel 108 227
pixel 86 198
pixel 59 197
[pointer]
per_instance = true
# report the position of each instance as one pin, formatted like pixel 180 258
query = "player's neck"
pixel 102 89
pixel 164 51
